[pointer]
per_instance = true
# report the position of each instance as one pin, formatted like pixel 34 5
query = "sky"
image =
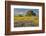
pixel 24 11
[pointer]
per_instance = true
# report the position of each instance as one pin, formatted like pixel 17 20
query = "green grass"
pixel 34 19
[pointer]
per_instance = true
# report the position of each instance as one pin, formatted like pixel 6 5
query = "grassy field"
pixel 34 19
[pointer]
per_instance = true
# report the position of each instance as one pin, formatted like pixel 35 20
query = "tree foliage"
pixel 30 13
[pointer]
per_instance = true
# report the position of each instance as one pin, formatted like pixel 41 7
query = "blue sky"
pixel 24 11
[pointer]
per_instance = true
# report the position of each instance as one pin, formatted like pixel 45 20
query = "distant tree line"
pixel 29 13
